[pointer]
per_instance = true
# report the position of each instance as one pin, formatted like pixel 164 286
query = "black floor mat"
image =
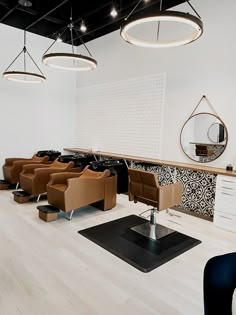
pixel 140 252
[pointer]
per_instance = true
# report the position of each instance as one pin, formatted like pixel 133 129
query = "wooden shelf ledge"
pixel 193 167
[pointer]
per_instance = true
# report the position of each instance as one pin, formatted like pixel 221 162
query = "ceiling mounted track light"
pixel 186 20
pixel 24 76
pixel 69 61
pixel 25 3
pixel 83 27
pixel 114 12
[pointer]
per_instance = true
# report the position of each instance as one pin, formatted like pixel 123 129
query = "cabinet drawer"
pixel 225 201
pixel 226 186
pixel 227 182
pixel 225 221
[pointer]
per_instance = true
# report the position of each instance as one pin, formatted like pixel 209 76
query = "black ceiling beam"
pixel 31 12
pixel 45 15
pixel 85 15
pixel 8 13
pixel 138 10
pixel 116 21
pixel 4 4
pixel 97 17
pixel 91 12
pixel 34 12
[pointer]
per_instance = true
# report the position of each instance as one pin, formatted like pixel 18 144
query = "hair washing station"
pixel 34 179
pixel 13 166
pixel 70 191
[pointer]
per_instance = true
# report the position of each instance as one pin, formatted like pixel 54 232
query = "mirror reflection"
pixel 204 137
pixel 216 133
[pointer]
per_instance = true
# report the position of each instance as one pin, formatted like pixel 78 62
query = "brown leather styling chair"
pixel 13 167
pixel 70 191
pixel 144 187
pixel 34 178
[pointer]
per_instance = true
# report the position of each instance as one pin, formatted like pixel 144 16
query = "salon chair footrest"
pixel 48 213
pixel 21 196
pixel 4 184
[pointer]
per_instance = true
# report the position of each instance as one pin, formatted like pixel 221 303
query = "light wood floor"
pixel 48 268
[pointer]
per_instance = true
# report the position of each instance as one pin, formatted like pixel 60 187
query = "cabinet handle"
pixel 227 188
pixel 222 216
pixel 227 194
pixel 227 181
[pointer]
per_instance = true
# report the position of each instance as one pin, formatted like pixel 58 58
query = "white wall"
pixel 34 116
pixel 206 66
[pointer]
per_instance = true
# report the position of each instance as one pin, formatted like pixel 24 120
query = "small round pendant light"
pixel 69 61
pixel 24 76
pixel 182 18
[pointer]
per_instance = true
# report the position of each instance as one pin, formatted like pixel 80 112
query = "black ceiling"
pixel 50 17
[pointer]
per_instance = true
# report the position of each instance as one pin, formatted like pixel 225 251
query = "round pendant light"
pixel 194 24
pixel 24 76
pixel 170 16
pixel 69 61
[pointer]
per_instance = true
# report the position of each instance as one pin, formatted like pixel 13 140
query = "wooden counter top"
pixel 194 167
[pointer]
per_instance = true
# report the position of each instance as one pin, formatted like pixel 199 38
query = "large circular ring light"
pixel 169 16
pixel 23 77
pixel 55 60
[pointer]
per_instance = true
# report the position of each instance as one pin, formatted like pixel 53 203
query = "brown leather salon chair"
pixel 34 178
pixel 13 167
pixel 144 187
pixel 70 191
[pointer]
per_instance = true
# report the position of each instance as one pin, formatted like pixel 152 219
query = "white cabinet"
pixel 225 203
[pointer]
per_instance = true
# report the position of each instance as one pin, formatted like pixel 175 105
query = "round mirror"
pixel 216 133
pixel 204 137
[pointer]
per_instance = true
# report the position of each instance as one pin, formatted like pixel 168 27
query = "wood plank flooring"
pixel 48 268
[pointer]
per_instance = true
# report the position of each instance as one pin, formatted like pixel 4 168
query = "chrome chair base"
pixel 152 231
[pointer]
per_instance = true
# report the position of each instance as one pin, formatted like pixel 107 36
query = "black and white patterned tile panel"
pixel 198 187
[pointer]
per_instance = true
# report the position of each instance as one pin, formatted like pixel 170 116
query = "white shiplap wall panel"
pixel 122 117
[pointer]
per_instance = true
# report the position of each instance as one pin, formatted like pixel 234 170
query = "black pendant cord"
pixel 34 62
pixel 26 52
pixel 24 59
pixel 72 43
pixel 72 39
pixel 62 33
pixel 71 26
pixel 24 38
pixel 85 47
pixel 193 8
pixel 14 59
pixel 132 11
pixel 83 43
pixel 24 49
pixel 159 23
